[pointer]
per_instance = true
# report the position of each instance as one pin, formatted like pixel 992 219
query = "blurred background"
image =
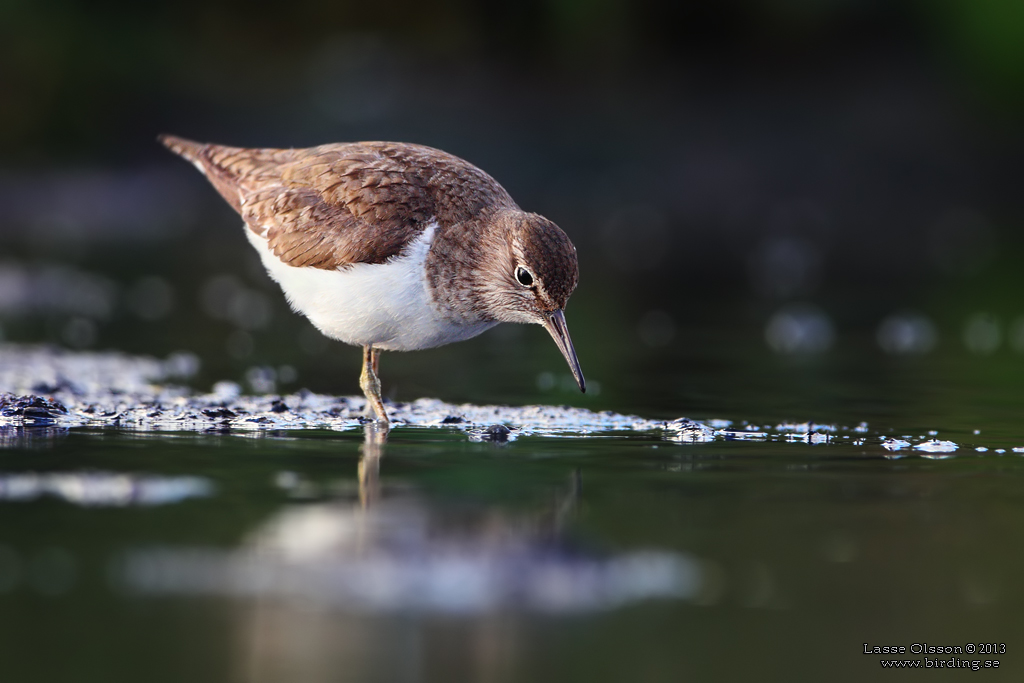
pixel 767 195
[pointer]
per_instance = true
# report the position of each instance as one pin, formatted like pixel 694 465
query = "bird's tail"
pixel 209 160
pixel 184 148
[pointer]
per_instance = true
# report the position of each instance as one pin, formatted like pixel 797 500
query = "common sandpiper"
pixel 394 246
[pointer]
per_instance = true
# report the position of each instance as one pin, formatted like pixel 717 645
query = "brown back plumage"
pixel 341 204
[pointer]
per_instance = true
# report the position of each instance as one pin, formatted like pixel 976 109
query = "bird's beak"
pixel 554 323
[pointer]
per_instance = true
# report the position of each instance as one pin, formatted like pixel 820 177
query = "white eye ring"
pixel 524 277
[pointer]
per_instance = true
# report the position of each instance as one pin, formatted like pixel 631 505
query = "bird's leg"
pixel 370 383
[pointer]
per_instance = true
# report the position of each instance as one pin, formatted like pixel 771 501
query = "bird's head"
pixel 531 274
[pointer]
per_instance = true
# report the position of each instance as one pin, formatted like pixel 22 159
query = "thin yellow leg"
pixel 370 383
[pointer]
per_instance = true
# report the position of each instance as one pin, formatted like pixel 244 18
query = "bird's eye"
pixel 524 277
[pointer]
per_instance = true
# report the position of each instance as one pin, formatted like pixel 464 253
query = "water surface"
pixel 283 553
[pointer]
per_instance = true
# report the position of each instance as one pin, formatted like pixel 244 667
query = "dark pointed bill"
pixel 554 323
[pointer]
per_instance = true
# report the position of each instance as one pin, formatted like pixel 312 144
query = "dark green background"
pixel 679 145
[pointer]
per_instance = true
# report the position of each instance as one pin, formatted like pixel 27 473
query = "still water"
pixel 447 554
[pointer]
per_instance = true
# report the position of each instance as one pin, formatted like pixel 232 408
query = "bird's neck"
pixel 457 265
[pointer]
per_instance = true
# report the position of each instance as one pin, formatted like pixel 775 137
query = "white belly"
pixel 385 304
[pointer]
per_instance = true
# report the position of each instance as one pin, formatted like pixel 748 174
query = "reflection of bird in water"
pixel 375 435
pixel 394 246
pixel 414 559
pixel 404 524
pixel 330 586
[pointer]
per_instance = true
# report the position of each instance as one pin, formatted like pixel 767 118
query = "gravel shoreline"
pixel 43 386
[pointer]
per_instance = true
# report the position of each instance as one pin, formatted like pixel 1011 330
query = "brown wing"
pixel 336 205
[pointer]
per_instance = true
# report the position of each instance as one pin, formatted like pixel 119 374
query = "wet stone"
pixel 222 413
pixel 685 429
pixel 31 409
pixel 498 433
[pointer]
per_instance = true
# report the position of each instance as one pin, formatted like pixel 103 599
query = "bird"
pixel 394 246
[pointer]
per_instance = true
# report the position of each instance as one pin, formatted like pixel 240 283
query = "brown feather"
pixel 336 205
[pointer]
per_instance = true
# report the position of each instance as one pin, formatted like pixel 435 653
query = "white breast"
pixel 385 304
